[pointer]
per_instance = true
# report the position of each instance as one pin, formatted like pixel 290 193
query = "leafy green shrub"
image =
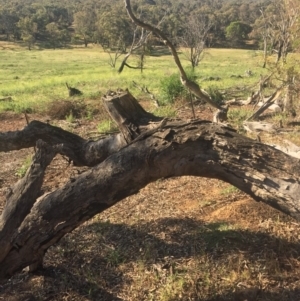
pixel 215 95
pixel 236 117
pixel 172 88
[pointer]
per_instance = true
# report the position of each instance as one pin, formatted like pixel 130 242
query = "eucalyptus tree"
pixel 195 35
pixel 8 23
pixel 114 32
pixel 84 25
pixel 238 31
pixel 56 35
pixel 285 26
pixel 278 26
pixel 28 30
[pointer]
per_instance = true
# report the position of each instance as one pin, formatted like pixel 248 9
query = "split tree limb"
pixel 130 117
pixel 82 152
pixel 266 105
pixel 21 198
pixel 171 148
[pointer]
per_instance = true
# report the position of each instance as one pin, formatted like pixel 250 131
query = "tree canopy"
pixel 56 23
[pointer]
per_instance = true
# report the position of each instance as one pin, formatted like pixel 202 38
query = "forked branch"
pixel 192 86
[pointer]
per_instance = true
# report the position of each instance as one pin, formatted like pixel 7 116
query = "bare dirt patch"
pixel 182 238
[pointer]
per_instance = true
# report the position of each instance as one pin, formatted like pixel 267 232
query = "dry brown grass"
pixel 61 109
pixel 197 246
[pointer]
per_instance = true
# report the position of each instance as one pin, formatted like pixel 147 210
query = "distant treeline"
pixel 227 23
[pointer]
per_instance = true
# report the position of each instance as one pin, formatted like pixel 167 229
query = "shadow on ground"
pixel 99 261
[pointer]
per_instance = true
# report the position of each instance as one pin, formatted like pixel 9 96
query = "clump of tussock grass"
pixel 60 109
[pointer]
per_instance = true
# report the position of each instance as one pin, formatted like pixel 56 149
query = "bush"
pixel 215 95
pixel 172 88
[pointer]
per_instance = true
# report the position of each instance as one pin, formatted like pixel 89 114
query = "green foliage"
pixel 70 118
pixel 84 24
pixel 236 117
pixel 238 30
pixel 106 126
pixel 229 190
pixel 23 169
pixel 217 232
pixel 114 30
pixel 89 113
pixel 215 94
pixel 172 88
pixel 28 30
pixel 57 36
pixel 114 257
pixel 106 21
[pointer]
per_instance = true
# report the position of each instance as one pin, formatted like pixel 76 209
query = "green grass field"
pixel 34 78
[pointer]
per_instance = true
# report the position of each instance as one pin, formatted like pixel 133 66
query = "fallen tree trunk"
pixel 269 102
pixel 131 118
pixel 152 150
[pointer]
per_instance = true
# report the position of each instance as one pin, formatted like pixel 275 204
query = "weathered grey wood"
pixel 269 102
pixel 131 118
pixel 127 113
pixel 255 126
pixel 23 195
pixel 177 148
pixel 82 152
pixel 289 148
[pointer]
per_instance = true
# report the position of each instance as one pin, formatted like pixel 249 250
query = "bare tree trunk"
pixel 265 51
pixel 156 148
pixel 279 52
pixel 135 46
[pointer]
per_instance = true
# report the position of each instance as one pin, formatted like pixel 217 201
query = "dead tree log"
pixel 21 198
pixel 131 118
pixel 82 152
pixel 157 150
pixel 270 101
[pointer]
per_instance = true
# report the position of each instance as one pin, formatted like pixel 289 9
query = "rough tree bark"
pixel 151 148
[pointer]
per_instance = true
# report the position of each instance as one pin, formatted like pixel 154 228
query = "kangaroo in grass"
pixel 73 91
